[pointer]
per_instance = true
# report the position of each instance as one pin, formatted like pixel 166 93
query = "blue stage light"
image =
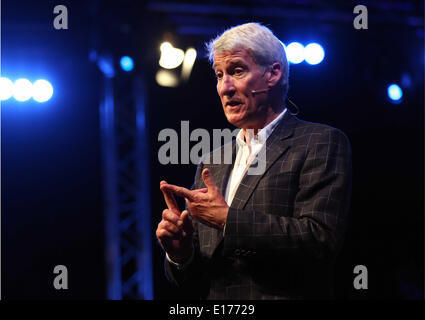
pixel 127 63
pixel 6 88
pixel 22 90
pixel 295 52
pixel 42 90
pixel 406 80
pixel 394 93
pixel 314 53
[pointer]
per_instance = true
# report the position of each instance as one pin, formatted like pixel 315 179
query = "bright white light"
pixel 42 90
pixel 166 78
pixel 165 46
pixel 394 92
pixel 170 57
pixel 22 89
pixel 314 53
pixel 295 52
pixel 6 88
pixel 189 60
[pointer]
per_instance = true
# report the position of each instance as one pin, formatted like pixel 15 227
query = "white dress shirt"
pixel 247 151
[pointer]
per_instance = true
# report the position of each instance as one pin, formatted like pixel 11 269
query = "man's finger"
pixel 187 222
pixel 208 179
pixel 171 216
pixel 170 201
pixel 169 198
pixel 180 191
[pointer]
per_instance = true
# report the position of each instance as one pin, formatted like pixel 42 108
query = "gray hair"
pixel 264 46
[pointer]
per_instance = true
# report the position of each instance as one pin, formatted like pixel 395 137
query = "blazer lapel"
pixel 276 145
pixel 221 174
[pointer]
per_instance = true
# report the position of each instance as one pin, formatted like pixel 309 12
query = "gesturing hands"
pixel 175 231
pixel 206 205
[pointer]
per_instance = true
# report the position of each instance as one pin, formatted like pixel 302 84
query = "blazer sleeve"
pixel 318 223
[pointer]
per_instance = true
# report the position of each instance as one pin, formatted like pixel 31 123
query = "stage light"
pixel 127 63
pixel 22 90
pixel 170 57
pixel 314 53
pixel 394 93
pixel 165 46
pixel 188 62
pixel 406 80
pixel 295 52
pixel 42 90
pixel 6 88
pixel 166 78
pixel 105 63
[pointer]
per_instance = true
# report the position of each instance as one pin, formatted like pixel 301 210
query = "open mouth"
pixel 233 104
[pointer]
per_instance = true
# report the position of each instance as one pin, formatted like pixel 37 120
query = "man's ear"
pixel 275 74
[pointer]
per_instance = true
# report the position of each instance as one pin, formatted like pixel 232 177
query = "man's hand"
pixel 206 204
pixel 175 231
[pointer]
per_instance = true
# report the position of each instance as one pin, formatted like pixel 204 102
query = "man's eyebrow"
pixel 236 61
pixel 231 62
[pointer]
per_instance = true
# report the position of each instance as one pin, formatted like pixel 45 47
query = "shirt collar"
pixel 262 134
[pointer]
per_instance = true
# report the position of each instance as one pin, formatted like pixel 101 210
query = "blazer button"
pixel 237 252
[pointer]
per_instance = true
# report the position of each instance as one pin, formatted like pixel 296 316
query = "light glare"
pixel 170 57
pixel 165 46
pixel 22 90
pixel 314 53
pixel 394 92
pixel 42 90
pixel 127 63
pixel 6 88
pixel 189 60
pixel 295 52
pixel 166 78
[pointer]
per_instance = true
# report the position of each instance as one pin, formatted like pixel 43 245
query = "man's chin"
pixel 237 121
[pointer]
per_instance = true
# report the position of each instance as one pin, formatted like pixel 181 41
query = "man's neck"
pixel 269 117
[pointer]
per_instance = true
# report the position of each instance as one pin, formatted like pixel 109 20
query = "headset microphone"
pixel 297 110
pixel 259 91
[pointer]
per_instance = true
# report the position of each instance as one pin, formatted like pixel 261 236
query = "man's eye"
pixel 238 71
pixel 218 75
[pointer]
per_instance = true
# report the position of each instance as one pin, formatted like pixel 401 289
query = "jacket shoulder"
pixel 318 131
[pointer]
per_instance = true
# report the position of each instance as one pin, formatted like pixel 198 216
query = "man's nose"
pixel 227 86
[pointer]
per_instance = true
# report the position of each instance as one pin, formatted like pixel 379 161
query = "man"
pixel 271 234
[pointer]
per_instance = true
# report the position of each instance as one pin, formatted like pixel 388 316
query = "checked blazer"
pixel 284 227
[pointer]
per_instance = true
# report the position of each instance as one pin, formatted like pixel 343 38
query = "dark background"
pixel 52 201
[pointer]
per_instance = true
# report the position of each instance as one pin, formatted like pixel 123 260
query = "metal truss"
pixel 126 179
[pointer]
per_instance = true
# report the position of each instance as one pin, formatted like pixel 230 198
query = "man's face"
pixel 237 76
